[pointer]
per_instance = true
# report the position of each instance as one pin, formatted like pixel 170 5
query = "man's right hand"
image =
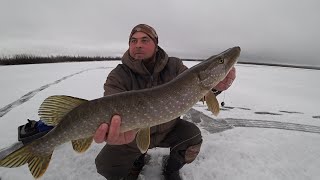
pixel 111 133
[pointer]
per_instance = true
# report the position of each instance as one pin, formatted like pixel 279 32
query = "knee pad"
pixel 192 152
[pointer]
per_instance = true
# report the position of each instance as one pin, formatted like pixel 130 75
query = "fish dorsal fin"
pixel 38 165
pixel 143 139
pixel 81 145
pixel 212 103
pixel 54 108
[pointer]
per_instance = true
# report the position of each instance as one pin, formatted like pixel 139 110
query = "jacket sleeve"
pixel 113 83
pixel 180 66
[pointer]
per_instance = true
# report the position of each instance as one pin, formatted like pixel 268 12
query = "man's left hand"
pixel 227 82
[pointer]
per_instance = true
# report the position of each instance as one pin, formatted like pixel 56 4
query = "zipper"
pixel 151 81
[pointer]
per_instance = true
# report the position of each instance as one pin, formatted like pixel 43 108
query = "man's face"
pixel 141 46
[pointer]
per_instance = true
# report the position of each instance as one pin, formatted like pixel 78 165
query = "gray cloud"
pixel 267 30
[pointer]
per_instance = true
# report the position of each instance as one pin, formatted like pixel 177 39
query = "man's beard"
pixel 150 63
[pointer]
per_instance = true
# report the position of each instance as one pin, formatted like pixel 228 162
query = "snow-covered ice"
pixel 277 94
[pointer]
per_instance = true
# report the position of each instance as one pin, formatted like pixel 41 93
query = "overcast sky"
pixel 283 31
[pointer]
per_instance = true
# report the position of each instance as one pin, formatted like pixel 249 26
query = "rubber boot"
pixel 171 167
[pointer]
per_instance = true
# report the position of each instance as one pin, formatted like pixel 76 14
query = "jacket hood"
pixel 137 66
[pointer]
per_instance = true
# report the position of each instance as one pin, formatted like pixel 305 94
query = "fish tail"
pixel 37 163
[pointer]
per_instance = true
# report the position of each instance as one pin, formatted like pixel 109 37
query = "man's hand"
pixel 111 133
pixel 227 82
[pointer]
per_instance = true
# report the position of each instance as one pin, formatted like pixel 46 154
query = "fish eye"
pixel 221 60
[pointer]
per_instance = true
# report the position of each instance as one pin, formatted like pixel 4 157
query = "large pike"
pixel 76 119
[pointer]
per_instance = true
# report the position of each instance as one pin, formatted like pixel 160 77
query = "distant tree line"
pixel 32 59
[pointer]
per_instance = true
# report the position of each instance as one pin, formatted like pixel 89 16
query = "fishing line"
pixel 224 96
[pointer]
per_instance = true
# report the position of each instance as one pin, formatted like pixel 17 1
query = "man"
pixel 146 65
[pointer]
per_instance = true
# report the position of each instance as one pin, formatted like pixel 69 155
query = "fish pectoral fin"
pixel 81 145
pixel 38 165
pixel 54 108
pixel 212 103
pixel 143 139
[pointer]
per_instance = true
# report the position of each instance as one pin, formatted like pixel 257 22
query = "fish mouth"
pixel 231 55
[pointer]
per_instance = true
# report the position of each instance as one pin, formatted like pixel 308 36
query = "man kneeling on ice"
pixel 145 65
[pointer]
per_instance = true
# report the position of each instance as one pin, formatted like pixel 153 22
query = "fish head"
pixel 216 68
